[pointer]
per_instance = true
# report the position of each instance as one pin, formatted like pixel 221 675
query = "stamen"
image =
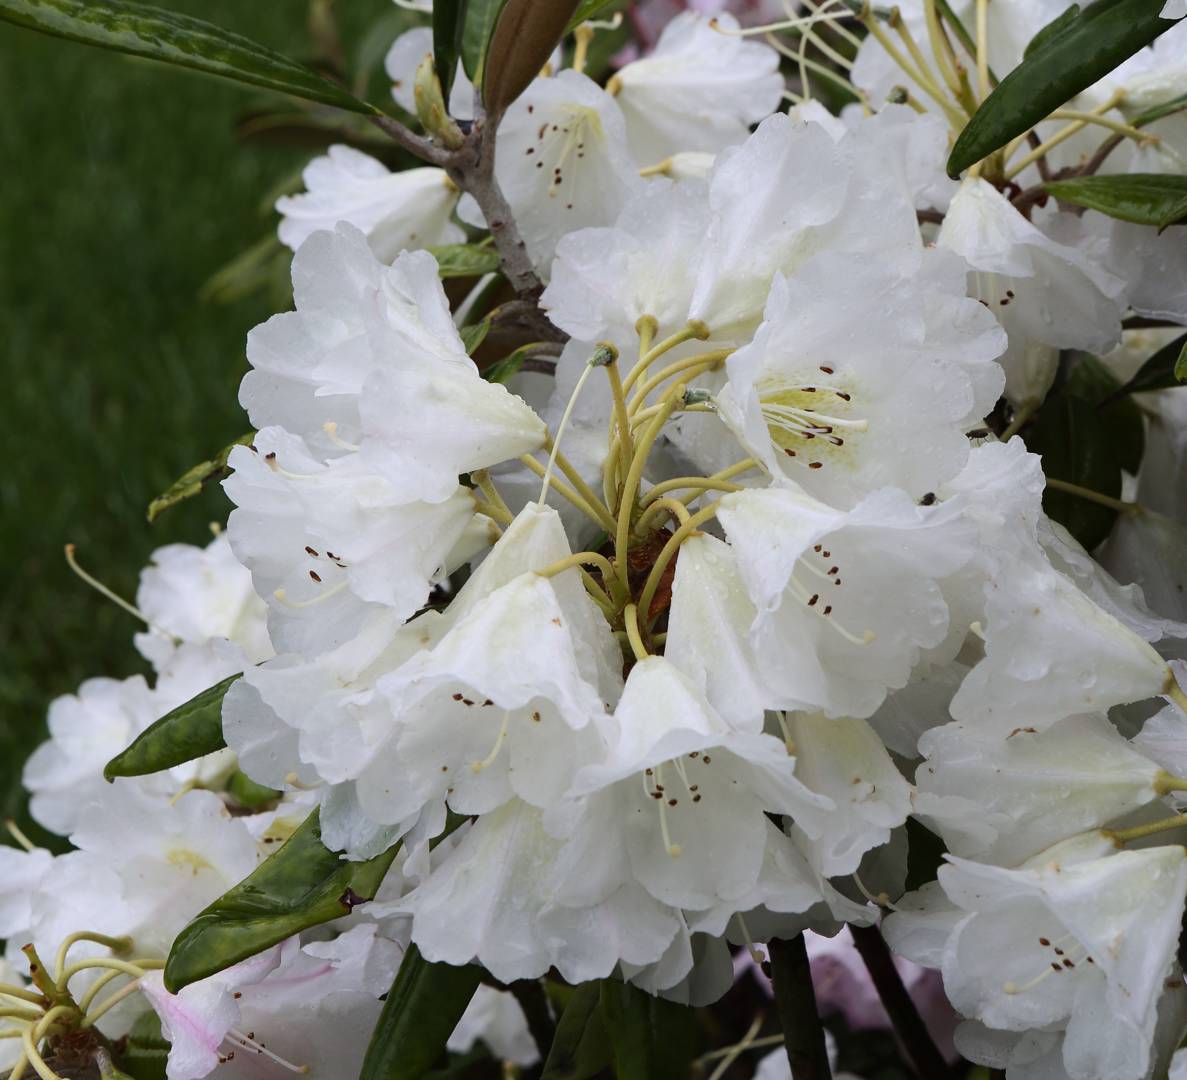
pixel 755 955
pixel 674 850
pixel 811 599
pixel 1060 962
pixel 14 830
pixel 331 430
pixel 111 595
pixel 247 1043
pixel 788 741
pixel 282 596
pixel 478 766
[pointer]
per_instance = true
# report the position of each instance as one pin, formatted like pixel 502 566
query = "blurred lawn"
pixel 122 190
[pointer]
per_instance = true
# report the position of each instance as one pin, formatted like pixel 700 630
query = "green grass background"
pixel 122 189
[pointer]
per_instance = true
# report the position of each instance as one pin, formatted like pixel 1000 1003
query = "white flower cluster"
pixel 689 628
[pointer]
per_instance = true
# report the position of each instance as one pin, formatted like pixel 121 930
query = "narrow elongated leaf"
pixel 1174 214
pixel 1101 37
pixel 303 884
pixel 1160 372
pixel 465 260
pixel 1157 112
pixel 581 1048
pixel 422 1008
pixel 481 17
pixel 194 480
pixel 586 10
pixel 1090 380
pixel 652 1038
pixel 1143 198
pixel 1181 364
pixel 173 38
pixel 190 731
pixel 474 335
pixel 449 23
pixel 502 370
pixel 1053 29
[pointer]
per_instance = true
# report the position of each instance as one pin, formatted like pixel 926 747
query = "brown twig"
pixel 795 1002
pixel 908 1024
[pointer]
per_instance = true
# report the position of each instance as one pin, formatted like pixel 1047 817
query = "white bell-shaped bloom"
pixel 1005 797
pixel 496 1018
pixel 86 730
pixel 701 88
pixel 309 1008
pixel 399 211
pixel 844 759
pixel 494 899
pixel 846 601
pixel 1047 295
pixel 563 162
pixel 1051 652
pixel 844 406
pixel 326 542
pixel 497 706
pixel 191 595
pixel 363 330
pixel 1081 939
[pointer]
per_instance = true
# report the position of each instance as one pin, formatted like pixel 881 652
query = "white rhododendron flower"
pixel 773 499
pixel 398 211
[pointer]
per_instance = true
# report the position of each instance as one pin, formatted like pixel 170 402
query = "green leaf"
pixel 1181 363
pixel 1076 446
pixel 651 1038
pixel 1143 198
pixel 422 1008
pixel 502 370
pixel 303 884
pixel 465 260
pixel 449 24
pixel 1092 382
pixel 1174 214
pixel 1101 37
pixel 581 1048
pixel 586 10
pixel 474 335
pixel 481 18
pixel 1157 112
pixel 1052 30
pixel 190 731
pixel 145 1050
pixel 173 38
pixel 1160 372
pixel 248 794
pixel 194 480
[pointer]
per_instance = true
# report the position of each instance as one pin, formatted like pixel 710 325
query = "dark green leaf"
pixel 481 17
pixel 303 884
pixel 192 481
pixel 581 1048
pixel 1092 382
pixel 1157 112
pixel 586 10
pixel 190 731
pixel 173 38
pixel 1174 214
pixel 1101 37
pixel 1143 198
pixel 145 1052
pixel 1052 30
pixel 651 1038
pixel 422 1008
pixel 1181 363
pixel 474 335
pixel 1076 446
pixel 247 793
pixel 1160 372
pixel 502 370
pixel 449 23
pixel 465 260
